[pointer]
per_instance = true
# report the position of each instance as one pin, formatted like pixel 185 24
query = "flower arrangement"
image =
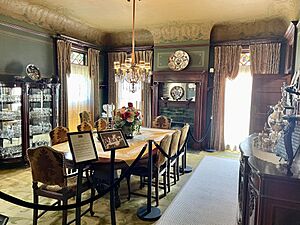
pixel 128 119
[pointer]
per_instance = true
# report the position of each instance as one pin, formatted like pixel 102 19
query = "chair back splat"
pixel 85 116
pixel 85 126
pixel 59 135
pixel 162 122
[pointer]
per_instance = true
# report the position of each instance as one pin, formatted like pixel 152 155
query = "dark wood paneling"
pixel 266 92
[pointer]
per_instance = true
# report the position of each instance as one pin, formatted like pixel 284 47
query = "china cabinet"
pixel 28 111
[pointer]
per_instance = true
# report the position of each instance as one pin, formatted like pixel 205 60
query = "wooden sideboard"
pixel 267 196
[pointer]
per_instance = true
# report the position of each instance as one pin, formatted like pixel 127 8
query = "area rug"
pixel 18 183
pixel 209 197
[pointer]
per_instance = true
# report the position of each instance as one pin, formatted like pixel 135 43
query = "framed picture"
pixel 112 139
pixel 82 147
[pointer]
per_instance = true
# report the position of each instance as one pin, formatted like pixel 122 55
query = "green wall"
pixel 198 53
pixel 20 48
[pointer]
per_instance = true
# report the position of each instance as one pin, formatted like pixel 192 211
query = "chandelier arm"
pixel 133 27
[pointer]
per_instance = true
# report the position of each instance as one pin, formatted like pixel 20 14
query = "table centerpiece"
pixel 128 119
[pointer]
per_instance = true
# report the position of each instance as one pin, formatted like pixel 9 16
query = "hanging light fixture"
pixel 130 70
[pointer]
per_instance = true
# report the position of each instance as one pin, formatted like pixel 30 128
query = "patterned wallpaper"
pixel 50 20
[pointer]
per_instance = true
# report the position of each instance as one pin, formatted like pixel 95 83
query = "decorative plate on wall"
pixel 177 92
pixel 178 60
pixel 33 72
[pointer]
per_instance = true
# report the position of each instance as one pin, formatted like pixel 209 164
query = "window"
pixel 79 90
pixel 78 58
pixel 124 95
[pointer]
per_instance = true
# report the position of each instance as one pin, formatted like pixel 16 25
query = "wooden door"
pixel 266 92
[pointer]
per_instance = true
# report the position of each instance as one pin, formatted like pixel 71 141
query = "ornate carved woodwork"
pixel 270 196
pixel 200 80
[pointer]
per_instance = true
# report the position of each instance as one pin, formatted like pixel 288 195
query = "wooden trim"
pixel 180 76
pixel 78 43
pixel 248 42
pixel 129 49
pixel 24 29
pixel 182 46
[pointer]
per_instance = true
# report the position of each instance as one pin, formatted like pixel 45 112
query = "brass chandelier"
pixel 130 70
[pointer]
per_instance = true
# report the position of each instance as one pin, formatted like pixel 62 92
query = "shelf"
pixel 9 102
pixel 9 120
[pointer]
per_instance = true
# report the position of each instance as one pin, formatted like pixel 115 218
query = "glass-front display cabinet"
pixel 28 112
pixel 40 115
pixel 10 122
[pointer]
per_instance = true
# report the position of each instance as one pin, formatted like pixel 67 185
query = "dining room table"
pixel 123 157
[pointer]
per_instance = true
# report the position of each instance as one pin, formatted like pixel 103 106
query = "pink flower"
pixel 130 104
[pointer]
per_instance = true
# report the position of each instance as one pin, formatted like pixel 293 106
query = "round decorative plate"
pixel 178 60
pixel 33 72
pixel 177 92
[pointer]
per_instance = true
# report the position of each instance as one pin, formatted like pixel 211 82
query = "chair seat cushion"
pixel 71 185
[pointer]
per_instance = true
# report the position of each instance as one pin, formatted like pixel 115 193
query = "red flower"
pixel 127 114
pixel 130 104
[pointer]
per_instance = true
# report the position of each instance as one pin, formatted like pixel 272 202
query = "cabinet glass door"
pixel 10 123
pixel 40 116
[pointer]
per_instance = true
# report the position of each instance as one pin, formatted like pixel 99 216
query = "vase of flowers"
pixel 128 119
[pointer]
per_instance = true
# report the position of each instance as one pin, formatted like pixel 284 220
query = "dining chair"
pixel 49 180
pixel 85 116
pixel 101 124
pixel 159 169
pixel 59 135
pixel 85 126
pixel 162 122
pixel 173 159
pixel 183 145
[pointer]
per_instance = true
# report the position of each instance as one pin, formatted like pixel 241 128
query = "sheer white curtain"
pixel 237 108
pixel 79 94
pixel 124 95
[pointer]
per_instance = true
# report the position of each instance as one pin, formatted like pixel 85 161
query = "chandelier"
pixel 131 71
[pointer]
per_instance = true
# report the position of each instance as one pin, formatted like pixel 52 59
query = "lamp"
pixel 130 70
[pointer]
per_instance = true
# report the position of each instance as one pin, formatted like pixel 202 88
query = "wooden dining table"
pixel 124 157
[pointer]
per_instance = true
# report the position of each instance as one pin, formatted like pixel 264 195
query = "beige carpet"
pixel 18 183
pixel 209 197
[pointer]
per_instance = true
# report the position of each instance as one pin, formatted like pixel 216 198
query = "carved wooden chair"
pixel 101 124
pixel 85 116
pixel 162 122
pixel 183 145
pixel 59 135
pixel 173 158
pixel 49 179
pixel 85 126
pixel 159 168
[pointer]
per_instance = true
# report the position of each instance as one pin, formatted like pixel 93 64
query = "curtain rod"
pixel 248 42
pixel 76 41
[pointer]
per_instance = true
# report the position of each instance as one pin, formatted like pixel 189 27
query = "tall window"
pixel 79 89
pixel 237 105
pixel 124 95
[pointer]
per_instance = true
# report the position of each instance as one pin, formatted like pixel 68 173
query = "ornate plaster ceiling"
pixel 189 19
pixel 115 15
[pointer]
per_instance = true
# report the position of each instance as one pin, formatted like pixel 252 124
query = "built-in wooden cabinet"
pixel 267 195
pixel 28 111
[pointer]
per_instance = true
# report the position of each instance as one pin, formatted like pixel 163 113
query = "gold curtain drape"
pixel 93 64
pixel 64 69
pixel 226 65
pixel 146 56
pixel 265 58
pixel 112 57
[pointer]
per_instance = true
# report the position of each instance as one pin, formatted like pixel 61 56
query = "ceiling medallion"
pixel 179 60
